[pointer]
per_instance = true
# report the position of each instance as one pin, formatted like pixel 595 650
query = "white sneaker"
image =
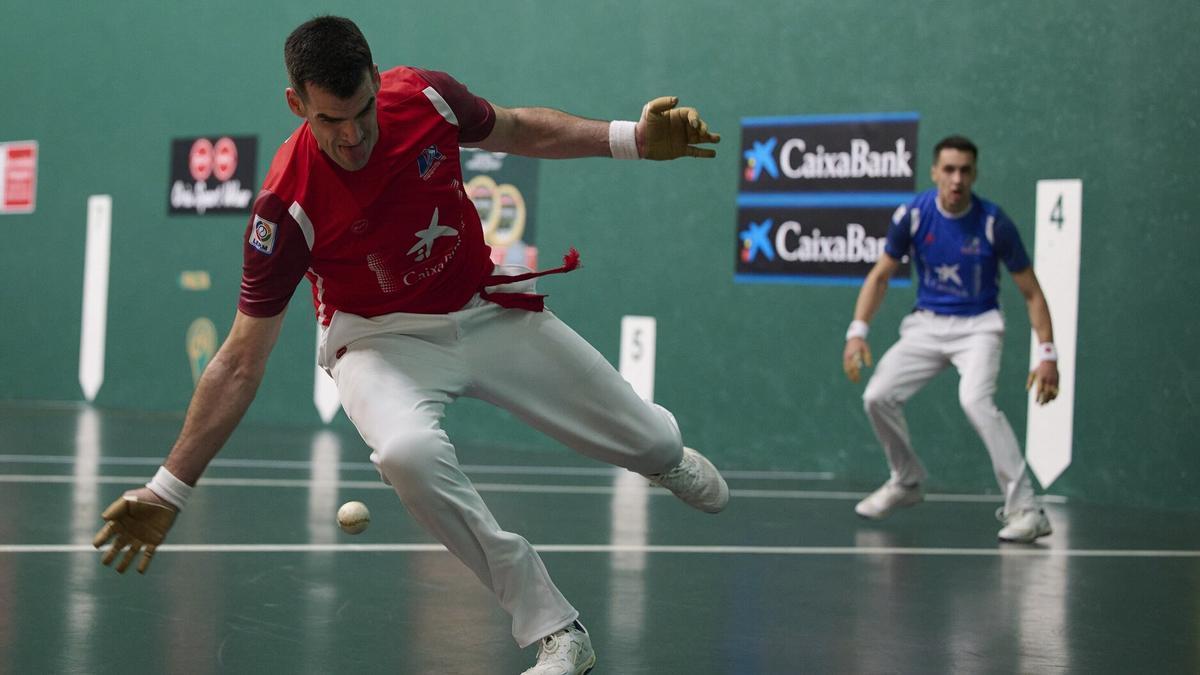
pixel 1023 527
pixel 696 481
pixel 565 652
pixel 890 496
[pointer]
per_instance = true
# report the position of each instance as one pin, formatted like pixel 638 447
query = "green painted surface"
pixel 1060 90
pixel 928 591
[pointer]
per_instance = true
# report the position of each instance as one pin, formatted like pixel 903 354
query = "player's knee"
pixel 411 455
pixel 875 400
pixel 978 407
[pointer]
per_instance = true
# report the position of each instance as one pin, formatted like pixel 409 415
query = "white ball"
pixel 353 517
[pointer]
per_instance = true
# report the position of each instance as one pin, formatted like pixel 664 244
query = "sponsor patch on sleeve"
pixel 263 235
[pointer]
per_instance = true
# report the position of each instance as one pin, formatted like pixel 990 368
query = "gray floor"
pixel 257 579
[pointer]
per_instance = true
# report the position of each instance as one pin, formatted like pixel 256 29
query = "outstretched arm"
pixel 870 297
pixel 1045 375
pixel 141 517
pixel 223 394
pixel 663 132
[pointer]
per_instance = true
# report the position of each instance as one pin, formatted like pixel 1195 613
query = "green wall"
pixel 1070 89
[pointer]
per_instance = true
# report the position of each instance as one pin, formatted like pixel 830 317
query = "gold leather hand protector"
pixel 134 526
pixel 673 132
pixel 1045 392
pixel 853 366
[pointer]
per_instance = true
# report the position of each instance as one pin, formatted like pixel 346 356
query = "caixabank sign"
pixel 212 175
pixel 816 194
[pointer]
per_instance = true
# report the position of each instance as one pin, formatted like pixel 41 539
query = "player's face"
pixel 346 129
pixel 954 174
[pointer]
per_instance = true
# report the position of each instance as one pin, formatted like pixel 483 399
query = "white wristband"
pixel 1047 352
pixel 169 488
pixel 622 140
pixel 858 329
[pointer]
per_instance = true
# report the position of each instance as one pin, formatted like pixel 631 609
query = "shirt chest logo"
pixel 427 237
pixel 428 162
pixel 947 273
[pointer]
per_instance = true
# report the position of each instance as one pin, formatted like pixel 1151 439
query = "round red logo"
pixel 225 163
pixel 200 159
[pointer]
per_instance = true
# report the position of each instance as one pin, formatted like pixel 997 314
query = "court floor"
pixel 258 579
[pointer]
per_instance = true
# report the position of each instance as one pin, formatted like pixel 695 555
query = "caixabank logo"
pixel 829 153
pixel 212 175
pixel 828 245
pixel 816 194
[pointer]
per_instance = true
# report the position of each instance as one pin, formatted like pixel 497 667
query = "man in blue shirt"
pixel 957 241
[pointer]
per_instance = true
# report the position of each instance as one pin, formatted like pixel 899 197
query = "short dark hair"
pixel 330 52
pixel 955 142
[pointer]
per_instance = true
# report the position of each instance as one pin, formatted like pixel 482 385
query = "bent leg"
pixel 535 366
pixel 904 369
pixel 978 364
pixel 394 389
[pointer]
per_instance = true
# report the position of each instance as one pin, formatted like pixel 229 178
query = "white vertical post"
pixel 94 321
pixel 630 507
pixel 637 353
pixel 325 395
pixel 1059 217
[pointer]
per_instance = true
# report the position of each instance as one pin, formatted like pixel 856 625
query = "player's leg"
pixel 904 369
pixel 535 366
pixel 395 388
pixel 976 355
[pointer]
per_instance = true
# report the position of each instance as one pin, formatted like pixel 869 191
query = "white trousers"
pixel 929 343
pixel 399 371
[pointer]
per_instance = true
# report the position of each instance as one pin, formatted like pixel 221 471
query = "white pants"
pixel 399 371
pixel 928 343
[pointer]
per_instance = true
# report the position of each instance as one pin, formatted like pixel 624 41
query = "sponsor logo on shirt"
pixel 262 235
pixel 428 162
pixel 426 237
pixel 948 273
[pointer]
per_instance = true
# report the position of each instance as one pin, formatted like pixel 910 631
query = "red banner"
pixel 18 177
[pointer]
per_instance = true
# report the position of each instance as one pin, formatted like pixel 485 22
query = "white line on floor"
pixel 1000 551
pixel 497 487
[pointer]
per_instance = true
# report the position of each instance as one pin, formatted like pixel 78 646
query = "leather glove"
pixel 136 525
pixel 1046 380
pixel 853 359
pixel 670 132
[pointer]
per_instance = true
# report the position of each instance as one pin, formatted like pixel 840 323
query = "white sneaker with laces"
pixel 890 496
pixel 565 652
pixel 696 481
pixel 1023 527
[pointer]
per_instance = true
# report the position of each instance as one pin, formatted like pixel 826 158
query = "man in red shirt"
pixel 366 199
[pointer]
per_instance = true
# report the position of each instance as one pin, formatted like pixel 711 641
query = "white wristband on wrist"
pixel 622 140
pixel 172 490
pixel 1047 352
pixel 858 329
